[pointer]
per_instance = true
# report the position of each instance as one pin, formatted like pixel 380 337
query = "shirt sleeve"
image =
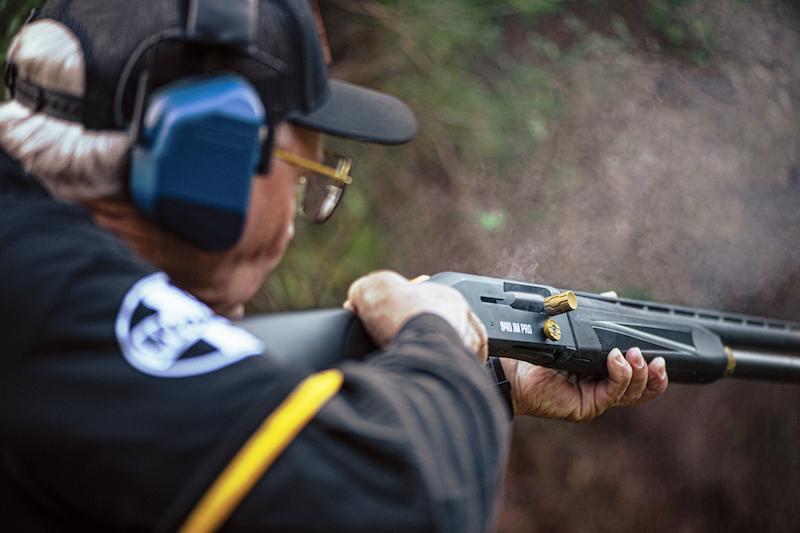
pixel 415 439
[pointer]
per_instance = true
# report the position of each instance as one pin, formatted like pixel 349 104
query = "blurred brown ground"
pixel 669 181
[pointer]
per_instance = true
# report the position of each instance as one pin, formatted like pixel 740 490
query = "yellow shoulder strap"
pixel 261 450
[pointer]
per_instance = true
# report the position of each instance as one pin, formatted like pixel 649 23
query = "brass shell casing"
pixel 563 302
pixel 552 330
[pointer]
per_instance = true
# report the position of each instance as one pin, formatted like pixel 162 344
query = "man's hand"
pixel 385 301
pixel 539 391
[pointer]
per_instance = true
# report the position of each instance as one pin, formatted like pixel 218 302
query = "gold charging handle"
pixel 560 303
pixel 551 330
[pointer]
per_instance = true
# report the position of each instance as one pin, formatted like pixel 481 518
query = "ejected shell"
pixel 563 302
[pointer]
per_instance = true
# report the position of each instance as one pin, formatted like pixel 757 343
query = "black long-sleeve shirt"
pixel 122 399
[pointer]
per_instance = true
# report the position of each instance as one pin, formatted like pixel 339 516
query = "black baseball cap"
pixel 280 54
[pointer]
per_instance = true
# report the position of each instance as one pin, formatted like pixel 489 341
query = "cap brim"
pixel 361 114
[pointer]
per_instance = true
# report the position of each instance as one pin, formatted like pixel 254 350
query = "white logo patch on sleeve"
pixel 165 332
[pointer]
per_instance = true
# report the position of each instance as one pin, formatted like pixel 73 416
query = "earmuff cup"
pixel 192 166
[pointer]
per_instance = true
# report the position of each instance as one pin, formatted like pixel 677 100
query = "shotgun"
pixel 566 330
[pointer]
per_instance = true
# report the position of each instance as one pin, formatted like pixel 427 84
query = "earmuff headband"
pixel 231 23
pixel 39 99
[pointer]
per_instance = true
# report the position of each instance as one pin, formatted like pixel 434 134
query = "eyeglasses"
pixel 322 187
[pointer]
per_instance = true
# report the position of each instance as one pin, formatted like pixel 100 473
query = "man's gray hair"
pixel 72 163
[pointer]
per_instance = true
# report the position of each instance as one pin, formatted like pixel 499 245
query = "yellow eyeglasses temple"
pixel 340 174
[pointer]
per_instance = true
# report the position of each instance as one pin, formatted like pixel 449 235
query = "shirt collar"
pixel 13 177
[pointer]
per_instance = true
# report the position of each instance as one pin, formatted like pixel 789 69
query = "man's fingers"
pixel 386 300
pixel 372 287
pixel 482 340
pixel 610 391
pixel 638 379
pixel 658 380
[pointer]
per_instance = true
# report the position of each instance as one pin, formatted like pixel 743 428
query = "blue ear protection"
pixel 198 141
pixel 197 150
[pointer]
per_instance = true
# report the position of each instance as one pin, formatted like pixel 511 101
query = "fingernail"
pixel 618 358
pixel 636 358
pixel 661 365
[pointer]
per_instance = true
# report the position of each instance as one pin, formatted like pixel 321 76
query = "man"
pixel 127 402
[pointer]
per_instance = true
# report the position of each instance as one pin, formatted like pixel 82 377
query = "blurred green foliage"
pixel 458 69
pixel 492 221
pixel 12 14
pixel 692 35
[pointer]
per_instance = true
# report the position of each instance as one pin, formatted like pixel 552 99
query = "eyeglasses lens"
pixel 320 194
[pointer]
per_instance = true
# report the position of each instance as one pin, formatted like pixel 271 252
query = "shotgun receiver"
pixel 566 330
